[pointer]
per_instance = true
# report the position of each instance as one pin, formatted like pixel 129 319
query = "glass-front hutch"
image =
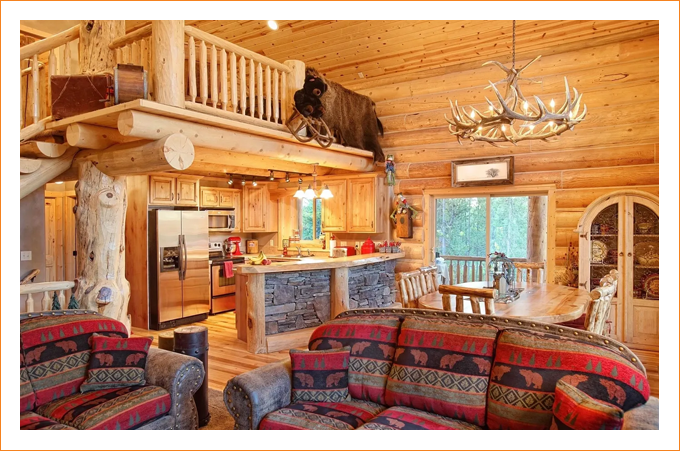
pixel 621 231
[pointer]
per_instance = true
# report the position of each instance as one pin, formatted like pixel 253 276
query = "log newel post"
pixel 168 61
pixel 293 82
pixel 101 202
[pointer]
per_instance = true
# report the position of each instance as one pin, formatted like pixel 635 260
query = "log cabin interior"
pixel 188 175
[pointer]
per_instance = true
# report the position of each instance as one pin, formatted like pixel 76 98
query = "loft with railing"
pixel 228 105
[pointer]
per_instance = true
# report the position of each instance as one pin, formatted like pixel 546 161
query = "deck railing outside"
pixel 47 289
pixel 39 61
pixel 462 269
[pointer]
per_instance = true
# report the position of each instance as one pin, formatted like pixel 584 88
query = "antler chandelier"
pixel 513 118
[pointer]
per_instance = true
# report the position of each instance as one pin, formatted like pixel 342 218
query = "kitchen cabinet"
pixel 335 208
pixel 178 190
pixel 161 190
pixel 187 191
pixel 621 231
pixel 259 215
pixel 366 198
pixel 219 197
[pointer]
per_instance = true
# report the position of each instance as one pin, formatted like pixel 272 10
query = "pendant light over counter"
pixel 310 192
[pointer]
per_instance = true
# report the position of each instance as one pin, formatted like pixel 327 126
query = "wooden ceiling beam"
pixel 49 169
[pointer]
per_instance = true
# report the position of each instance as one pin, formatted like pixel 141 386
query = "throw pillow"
pixel 372 341
pixel 573 409
pixel 320 376
pixel 116 362
pixel 442 367
pixel 527 366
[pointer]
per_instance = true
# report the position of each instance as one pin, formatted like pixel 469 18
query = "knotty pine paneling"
pixel 616 147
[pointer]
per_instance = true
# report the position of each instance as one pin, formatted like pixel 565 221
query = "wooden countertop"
pixel 312 263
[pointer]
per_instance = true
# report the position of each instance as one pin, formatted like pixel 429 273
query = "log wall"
pixel 615 147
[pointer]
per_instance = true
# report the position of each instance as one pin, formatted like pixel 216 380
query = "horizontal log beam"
pixel 54 41
pixel 40 149
pixel 88 136
pixel 28 165
pixel 149 126
pixel 49 170
pixel 170 153
pixel 131 37
pixel 33 130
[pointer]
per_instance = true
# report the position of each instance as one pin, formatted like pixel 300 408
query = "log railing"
pixel 39 61
pixel 230 81
pixel 46 289
pixel 467 269
pixel 135 48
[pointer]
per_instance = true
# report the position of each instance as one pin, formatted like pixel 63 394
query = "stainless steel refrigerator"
pixel 179 289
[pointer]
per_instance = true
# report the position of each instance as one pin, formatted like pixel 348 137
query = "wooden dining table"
pixel 546 302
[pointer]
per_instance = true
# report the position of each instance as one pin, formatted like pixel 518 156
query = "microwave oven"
pixel 221 220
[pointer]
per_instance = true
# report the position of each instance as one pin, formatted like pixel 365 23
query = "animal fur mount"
pixel 350 117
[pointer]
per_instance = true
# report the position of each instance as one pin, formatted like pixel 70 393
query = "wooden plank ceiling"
pixel 365 53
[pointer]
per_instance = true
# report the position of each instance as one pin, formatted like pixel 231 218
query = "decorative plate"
pixel 646 253
pixel 651 284
pixel 598 251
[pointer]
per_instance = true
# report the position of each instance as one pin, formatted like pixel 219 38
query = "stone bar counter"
pixel 279 305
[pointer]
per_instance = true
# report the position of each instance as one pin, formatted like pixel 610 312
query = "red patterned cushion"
pixel 320 376
pixel 116 362
pixel 528 365
pixel 57 350
pixel 442 367
pixel 407 418
pixel 372 341
pixel 322 415
pixel 573 409
pixel 26 393
pixel 33 421
pixel 113 408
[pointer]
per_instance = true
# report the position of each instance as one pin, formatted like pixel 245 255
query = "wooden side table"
pixel 193 341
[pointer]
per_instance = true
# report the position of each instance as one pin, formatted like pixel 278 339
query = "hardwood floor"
pixel 227 355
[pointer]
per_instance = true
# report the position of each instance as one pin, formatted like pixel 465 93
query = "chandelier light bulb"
pixel 299 194
pixel 326 193
pixel 309 194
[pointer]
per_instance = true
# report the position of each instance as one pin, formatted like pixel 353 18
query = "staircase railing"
pixel 47 289
pixel 53 56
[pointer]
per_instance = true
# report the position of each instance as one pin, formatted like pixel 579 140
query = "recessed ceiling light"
pixel 272 24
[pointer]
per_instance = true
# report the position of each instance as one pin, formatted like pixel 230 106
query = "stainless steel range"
pixel 222 288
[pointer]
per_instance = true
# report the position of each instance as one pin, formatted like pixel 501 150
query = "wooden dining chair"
pixel 410 285
pixel 526 270
pixel 599 307
pixel 431 274
pixel 477 297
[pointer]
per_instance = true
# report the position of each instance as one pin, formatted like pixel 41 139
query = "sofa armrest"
pixel 252 395
pixel 643 417
pixel 181 376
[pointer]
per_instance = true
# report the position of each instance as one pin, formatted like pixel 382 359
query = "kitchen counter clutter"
pixel 311 263
pixel 279 305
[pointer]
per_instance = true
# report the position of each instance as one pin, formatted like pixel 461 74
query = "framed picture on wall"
pixel 483 172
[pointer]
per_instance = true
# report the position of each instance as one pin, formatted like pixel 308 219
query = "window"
pixel 477 226
pixel 309 219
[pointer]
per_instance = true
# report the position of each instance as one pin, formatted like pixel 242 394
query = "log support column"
pixel 293 82
pixel 339 291
pixel 168 61
pixel 255 326
pixel 101 201
pixel 537 232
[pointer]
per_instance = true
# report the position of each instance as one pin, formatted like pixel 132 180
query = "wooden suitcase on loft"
pixel 78 94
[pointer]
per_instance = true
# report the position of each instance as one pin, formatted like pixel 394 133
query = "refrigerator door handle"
pixel 181 258
pixel 184 253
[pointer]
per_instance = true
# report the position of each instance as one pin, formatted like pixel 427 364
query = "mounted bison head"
pixel 350 116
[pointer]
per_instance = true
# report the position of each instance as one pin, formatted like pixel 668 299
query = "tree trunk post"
pixel 168 61
pixel 294 81
pixel 101 201
pixel 537 231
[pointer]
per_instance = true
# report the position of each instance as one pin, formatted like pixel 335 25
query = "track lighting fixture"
pixel 231 180
pixel 254 182
pixel 271 175
pixel 243 181
pixel 287 178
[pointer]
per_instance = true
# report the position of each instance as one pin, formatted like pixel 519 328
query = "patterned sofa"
pixel 422 369
pixel 55 352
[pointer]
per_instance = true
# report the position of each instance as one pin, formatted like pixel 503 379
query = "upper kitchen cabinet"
pixel 219 197
pixel 210 197
pixel 335 208
pixel 259 215
pixel 366 198
pixel 169 190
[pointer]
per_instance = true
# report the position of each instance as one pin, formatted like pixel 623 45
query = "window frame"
pixel 317 203
pixel 431 195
